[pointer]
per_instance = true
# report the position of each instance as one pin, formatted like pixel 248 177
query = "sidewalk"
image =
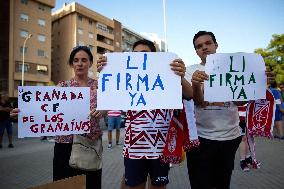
pixel 30 164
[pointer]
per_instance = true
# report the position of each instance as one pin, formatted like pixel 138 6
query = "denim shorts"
pixel 114 122
pixel 6 124
pixel 137 170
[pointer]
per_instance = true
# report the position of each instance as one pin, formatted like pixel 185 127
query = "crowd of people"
pixel 210 165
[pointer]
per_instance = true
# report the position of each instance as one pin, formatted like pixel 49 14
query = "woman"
pixel 81 59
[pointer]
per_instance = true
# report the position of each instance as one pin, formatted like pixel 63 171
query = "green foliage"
pixel 273 56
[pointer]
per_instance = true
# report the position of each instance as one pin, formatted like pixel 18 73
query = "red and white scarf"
pixel 182 134
pixel 260 116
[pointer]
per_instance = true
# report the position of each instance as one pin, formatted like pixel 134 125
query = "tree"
pixel 273 56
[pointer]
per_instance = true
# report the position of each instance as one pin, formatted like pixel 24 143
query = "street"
pixel 29 164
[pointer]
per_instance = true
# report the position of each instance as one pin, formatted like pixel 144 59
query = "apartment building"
pixel 30 21
pixel 74 25
pixel 129 37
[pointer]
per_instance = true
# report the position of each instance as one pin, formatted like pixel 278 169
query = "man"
pixel 5 122
pixel 210 166
pixel 141 155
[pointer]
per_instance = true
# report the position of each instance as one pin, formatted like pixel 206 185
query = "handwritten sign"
pixel 50 111
pixel 234 77
pixel 139 81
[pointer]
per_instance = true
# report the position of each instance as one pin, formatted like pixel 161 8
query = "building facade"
pixel 129 37
pixel 21 19
pixel 74 25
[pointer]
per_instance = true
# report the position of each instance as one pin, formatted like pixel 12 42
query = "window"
pixel 41 69
pixel 90 22
pixel 80 18
pixel 24 2
pixel 41 7
pixel 91 35
pixel 102 27
pixel 26 67
pixel 41 38
pixel 80 31
pixel 24 17
pixel 24 33
pixel 41 22
pixel 25 50
pixel 40 52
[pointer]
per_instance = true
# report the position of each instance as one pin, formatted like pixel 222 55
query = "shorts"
pixel 114 122
pixel 6 124
pixel 242 125
pixel 137 170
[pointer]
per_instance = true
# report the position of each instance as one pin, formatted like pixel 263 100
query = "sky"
pixel 239 25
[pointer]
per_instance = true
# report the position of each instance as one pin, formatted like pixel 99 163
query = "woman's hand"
pixel 102 61
pixel 97 114
pixel 178 67
pixel 199 77
pixel 14 113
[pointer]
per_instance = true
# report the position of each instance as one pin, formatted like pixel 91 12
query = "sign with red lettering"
pixel 50 111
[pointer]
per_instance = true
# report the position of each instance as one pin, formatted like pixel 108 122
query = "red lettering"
pixel 25 119
pixel 54 94
pixel 86 126
pixel 46 97
pixel 66 128
pixel 80 96
pixel 32 119
pixel 77 127
pixel 64 97
pixel 58 126
pixel 46 118
pixel 60 119
pixel 54 118
pixel 50 128
pixel 34 128
pixel 43 107
pixel 42 128
pixel 73 96
pixel 37 95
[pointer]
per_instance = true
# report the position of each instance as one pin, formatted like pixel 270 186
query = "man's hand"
pixel 199 77
pixel 178 67
pixel 102 61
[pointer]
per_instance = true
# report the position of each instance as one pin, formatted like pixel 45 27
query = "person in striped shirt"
pixel 114 121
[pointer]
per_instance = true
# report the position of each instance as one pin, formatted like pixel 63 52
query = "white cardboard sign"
pixel 50 111
pixel 139 81
pixel 234 77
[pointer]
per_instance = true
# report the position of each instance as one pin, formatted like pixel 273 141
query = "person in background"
pixel 114 121
pixel 278 111
pixel 5 121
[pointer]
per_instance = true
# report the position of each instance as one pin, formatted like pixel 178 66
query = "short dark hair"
pixel 77 49
pixel 200 33
pixel 145 42
pixel 273 84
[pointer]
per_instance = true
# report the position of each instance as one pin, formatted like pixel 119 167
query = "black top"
pixel 4 115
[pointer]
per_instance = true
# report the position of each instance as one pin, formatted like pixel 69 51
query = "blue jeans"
pixel 114 122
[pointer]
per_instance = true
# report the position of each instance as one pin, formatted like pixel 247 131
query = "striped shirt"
pixel 114 113
pixel 242 112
